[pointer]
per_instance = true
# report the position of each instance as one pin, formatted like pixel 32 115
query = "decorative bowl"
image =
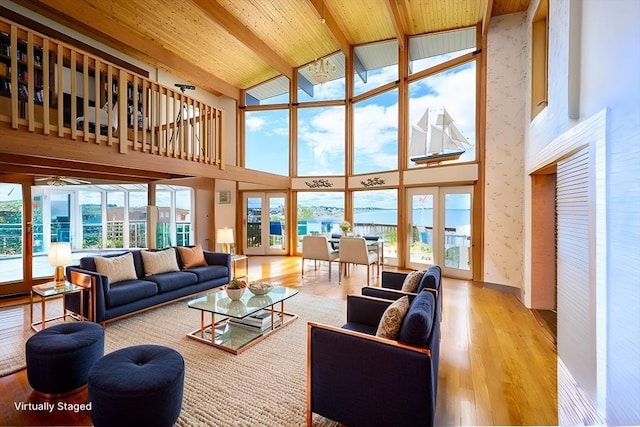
pixel 260 288
pixel 235 294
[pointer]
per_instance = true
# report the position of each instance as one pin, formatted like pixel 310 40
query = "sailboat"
pixel 435 138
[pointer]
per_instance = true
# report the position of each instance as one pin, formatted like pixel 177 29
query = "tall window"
pixel 428 50
pixel 184 231
pixel 267 141
pixel 319 212
pixel 375 213
pixel 539 58
pixel 376 64
pixel 137 219
pixel 91 213
pixel 321 141
pixel 442 115
pixel 375 133
pixel 115 219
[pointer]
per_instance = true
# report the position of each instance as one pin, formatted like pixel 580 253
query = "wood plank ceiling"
pixel 227 45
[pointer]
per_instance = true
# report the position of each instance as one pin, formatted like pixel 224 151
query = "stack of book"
pixel 260 320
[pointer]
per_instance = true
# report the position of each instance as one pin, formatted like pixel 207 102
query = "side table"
pixel 235 260
pixel 50 290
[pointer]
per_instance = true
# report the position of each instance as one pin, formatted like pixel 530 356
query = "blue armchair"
pixel 391 285
pixel 358 379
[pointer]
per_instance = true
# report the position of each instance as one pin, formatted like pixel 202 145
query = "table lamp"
pixel 225 236
pixel 59 256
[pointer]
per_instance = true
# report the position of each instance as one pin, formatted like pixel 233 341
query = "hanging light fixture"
pixel 321 69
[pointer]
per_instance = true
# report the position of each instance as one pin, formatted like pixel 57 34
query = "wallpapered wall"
pixel 504 186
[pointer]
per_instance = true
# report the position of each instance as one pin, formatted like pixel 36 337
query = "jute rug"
pixel 265 385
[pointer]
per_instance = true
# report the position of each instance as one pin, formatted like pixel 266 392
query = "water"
pixel 421 216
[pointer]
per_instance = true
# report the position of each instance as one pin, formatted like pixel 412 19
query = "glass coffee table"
pixel 241 323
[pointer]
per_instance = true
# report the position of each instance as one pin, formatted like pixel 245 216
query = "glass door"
pixel 456 204
pixel 11 238
pixel 265 225
pixel 439 229
pixel 423 230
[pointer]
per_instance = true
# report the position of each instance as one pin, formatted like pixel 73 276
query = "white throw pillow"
pixel 116 268
pixel 412 281
pixel 392 318
pixel 159 262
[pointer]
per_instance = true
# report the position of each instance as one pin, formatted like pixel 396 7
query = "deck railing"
pixel 52 88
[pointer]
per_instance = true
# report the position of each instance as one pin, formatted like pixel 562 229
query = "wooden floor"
pixel 498 363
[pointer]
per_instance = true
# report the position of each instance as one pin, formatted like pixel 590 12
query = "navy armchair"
pixel 358 379
pixel 391 285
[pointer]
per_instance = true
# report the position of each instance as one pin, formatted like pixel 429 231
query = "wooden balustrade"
pixel 52 88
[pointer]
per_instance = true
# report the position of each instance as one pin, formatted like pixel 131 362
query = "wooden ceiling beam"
pixel 47 166
pixel 333 27
pixel 398 21
pixel 486 17
pixel 77 16
pixel 226 20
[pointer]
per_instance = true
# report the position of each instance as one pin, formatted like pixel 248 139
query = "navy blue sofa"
pixel 110 301
pixel 358 379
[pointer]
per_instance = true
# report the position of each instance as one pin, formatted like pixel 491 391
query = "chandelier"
pixel 321 69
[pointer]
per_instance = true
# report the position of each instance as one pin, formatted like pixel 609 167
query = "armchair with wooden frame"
pixel 392 281
pixel 359 379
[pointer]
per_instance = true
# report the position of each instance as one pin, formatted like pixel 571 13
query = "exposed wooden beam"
pixel 76 15
pixel 486 17
pixel 240 31
pixel 332 26
pixel 397 21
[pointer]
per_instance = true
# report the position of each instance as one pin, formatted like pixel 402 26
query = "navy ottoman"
pixel 59 357
pixel 137 386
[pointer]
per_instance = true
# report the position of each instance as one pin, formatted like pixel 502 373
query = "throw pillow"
pixel 412 281
pixel 392 317
pixel 159 262
pixel 191 257
pixel 117 268
pixel 417 325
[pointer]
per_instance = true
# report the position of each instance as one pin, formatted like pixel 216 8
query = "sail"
pixel 418 142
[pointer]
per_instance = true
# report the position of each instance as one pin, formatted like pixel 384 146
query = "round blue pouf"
pixel 137 386
pixel 59 357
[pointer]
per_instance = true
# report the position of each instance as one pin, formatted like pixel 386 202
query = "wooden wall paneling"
pixel 46 88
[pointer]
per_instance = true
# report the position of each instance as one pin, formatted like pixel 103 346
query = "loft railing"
pixel 52 88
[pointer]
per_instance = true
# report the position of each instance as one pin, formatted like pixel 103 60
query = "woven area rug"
pixel 14 322
pixel 265 385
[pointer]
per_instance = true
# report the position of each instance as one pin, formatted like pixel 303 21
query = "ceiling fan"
pixel 61 180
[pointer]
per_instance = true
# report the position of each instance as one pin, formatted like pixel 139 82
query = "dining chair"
pixel 317 248
pixel 354 250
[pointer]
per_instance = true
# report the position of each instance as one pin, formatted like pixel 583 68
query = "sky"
pixel 321 129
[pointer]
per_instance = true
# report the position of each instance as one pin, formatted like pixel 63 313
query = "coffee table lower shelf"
pixel 233 338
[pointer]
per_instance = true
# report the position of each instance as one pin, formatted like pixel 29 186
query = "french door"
pixel 264 223
pixel 439 229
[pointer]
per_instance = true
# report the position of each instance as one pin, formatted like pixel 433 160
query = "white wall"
pixel 609 73
pixel 506 96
